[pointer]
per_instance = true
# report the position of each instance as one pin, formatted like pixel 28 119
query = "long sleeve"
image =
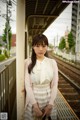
pixel 54 84
pixel 28 86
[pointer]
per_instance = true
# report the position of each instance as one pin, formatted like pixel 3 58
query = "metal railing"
pixel 8 89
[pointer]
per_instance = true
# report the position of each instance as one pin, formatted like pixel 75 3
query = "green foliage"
pixel 10 36
pixel 2 57
pixel 71 43
pixel 71 40
pixel 0 44
pixel 67 50
pixel 62 44
pixel 6 53
pixel 4 36
pixel 50 46
pixel 73 49
pixel 0 51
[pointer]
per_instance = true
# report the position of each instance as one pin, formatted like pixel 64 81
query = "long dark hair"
pixel 38 39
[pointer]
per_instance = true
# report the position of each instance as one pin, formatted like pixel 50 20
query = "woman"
pixel 41 82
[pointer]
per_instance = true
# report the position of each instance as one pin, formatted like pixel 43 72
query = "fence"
pixel 8 89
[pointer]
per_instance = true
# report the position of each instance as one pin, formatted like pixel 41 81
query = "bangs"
pixel 40 40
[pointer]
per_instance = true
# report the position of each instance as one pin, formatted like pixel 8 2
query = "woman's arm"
pixel 54 84
pixel 28 85
pixel 30 94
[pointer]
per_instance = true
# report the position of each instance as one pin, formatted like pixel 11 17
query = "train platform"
pixel 64 111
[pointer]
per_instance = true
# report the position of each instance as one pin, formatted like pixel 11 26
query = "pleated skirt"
pixel 42 96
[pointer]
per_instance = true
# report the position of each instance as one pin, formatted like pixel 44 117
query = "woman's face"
pixel 40 50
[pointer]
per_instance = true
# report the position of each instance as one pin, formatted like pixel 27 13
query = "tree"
pixel 62 44
pixel 4 36
pixel 71 40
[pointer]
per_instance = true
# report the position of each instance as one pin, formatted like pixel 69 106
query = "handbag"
pixel 46 118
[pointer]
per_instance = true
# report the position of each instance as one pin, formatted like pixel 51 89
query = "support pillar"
pixel 20 42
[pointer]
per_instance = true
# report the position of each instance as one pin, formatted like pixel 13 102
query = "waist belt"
pixel 41 85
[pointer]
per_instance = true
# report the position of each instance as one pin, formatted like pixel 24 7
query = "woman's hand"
pixel 37 110
pixel 47 110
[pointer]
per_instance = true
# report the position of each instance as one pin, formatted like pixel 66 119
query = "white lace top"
pixel 44 72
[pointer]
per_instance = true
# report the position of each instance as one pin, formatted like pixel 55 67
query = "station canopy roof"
pixel 41 13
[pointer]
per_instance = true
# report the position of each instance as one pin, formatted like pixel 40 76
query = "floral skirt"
pixel 42 96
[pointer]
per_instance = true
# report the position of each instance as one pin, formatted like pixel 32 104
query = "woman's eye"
pixel 37 45
pixel 44 45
